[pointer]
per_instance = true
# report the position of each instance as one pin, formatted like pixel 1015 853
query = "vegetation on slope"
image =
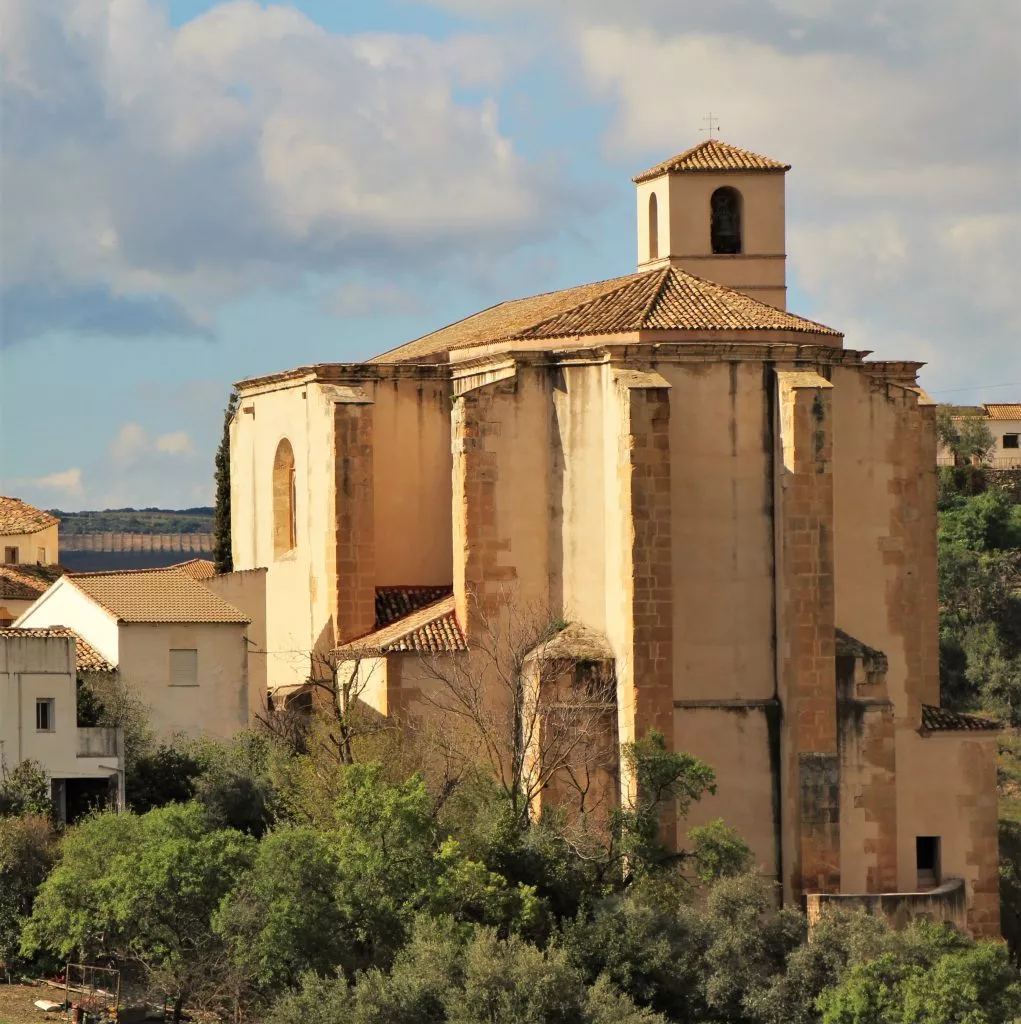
pixel 136 520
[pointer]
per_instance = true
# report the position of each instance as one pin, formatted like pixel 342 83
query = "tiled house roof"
pixel 429 630
pixel 393 603
pixel 197 568
pixel 87 658
pixel 16 516
pixel 156 595
pixel 713 155
pixel 27 582
pixel 1003 410
pixel 662 299
pixel 943 720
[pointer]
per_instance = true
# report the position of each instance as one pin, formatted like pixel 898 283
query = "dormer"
pixel 717 211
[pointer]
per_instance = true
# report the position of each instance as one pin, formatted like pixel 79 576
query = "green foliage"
pixel 141 888
pixel 282 920
pixel 89 706
pixel 980 604
pixel 164 776
pixel 971 984
pixel 235 782
pixel 719 851
pixel 27 849
pixel 449 974
pixel 663 777
pixel 25 789
pixel 222 555
pixel 967 438
pixel 136 520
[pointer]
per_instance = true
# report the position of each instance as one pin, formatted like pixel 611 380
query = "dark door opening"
pixel 927 861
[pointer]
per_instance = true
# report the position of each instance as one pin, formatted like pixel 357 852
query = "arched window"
pixel 285 533
pixel 725 206
pixel 653 227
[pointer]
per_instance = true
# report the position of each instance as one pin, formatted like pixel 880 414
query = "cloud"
pixel 69 481
pixel 177 443
pixel 132 442
pixel 361 298
pixel 901 122
pixel 151 172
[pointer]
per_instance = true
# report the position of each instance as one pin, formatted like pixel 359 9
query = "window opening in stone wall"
pixel 653 227
pixel 927 861
pixel 45 718
pixel 184 667
pixel 725 227
pixel 11 556
pixel 285 533
pixel 40 556
pixel 1011 440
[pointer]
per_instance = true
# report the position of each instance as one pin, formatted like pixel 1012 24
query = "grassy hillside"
pixel 136 520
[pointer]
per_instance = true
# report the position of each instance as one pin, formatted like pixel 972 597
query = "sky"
pixel 192 193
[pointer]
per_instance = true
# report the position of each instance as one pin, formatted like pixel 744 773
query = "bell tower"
pixel 717 211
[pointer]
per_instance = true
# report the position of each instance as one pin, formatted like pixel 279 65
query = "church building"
pixel 736 511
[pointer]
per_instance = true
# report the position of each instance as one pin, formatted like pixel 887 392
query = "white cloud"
pixel 151 171
pixel 69 481
pixel 177 443
pixel 132 442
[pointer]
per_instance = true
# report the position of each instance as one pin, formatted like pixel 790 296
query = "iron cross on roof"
pixel 712 124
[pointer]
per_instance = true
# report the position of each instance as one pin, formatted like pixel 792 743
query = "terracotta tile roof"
pixel 1003 410
pixel 429 630
pixel 713 155
pixel 663 299
pixel 16 516
pixel 87 658
pixel 393 603
pixel 156 595
pixel 943 720
pixel 27 582
pixel 197 568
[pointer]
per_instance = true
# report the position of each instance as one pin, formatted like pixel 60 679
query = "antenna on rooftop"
pixel 712 124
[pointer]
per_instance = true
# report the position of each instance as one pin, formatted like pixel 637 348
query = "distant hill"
pixel 136 520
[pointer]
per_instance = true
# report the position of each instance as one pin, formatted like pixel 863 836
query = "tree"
pixel 534 703
pixel 27 850
pixel 222 554
pixel 25 789
pixel 966 437
pixel 142 888
pixel 166 775
pixel 719 851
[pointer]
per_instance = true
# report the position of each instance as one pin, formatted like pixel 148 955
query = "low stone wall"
pixel 946 903
pixel 185 542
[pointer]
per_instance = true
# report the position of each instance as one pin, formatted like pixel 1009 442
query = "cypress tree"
pixel 222 555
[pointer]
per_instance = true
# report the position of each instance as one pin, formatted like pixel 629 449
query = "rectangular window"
pixel 40 556
pixel 1011 440
pixel 11 556
pixel 45 715
pixel 184 667
pixel 927 861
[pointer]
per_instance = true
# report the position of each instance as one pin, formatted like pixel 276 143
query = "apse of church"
pixel 734 509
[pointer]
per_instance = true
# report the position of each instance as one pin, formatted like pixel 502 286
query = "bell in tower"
pixel 717 211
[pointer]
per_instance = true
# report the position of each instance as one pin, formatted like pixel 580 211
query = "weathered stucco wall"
pixel 885 532
pixel 39 668
pixel 33 548
pixel 218 705
pixel 412 482
pixel 300 584
pixel 737 743
pixel 722 530
pixel 946 787
pixel 246 591
pixel 65 605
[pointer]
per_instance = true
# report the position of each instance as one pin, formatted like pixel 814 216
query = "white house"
pixel 178 645
pixel 38 719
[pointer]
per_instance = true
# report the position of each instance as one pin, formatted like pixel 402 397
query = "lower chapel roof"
pixel 662 299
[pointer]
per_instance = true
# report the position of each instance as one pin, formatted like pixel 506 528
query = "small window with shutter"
pixel 11 556
pixel 184 667
pixel 45 715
